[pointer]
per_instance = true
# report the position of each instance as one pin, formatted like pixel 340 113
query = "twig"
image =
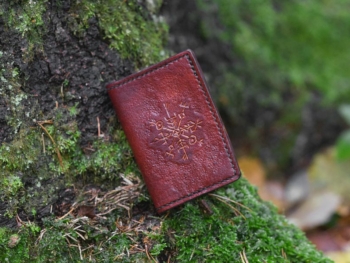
pixel 105 213
pixel 240 254
pixel 62 94
pixel 243 257
pixel 284 255
pixel 230 200
pixel 77 229
pixel 98 127
pixel 40 123
pixel 146 250
pixel 99 134
pixel 19 221
pixel 68 235
pixel 232 207
pixel 81 256
pixel 192 254
pixel 126 180
pixel 83 238
pixel 43 139
pixel 87 248
pixel 70 255
pixel 70 211
pixel 42 232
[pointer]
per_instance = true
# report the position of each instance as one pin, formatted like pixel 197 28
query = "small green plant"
pixel 34 228
pixel 158 248
pixel 65 83
pixel 34 212
pixel 74 110
pixel 11 185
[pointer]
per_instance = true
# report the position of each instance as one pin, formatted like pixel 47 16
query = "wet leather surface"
pixel 174 130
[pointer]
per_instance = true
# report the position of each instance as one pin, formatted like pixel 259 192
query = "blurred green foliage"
pixel 303 44
pixel 281 56
pixel 343 142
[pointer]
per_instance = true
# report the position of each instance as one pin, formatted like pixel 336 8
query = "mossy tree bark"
pixel 71 191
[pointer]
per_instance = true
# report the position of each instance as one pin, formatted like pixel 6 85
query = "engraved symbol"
pixel 178 133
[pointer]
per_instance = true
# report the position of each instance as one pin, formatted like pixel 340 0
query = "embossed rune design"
pixel 177 133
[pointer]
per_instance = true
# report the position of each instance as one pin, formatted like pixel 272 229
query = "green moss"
pixel 135 33
pixel 11 185
pixel 10 91
pixel 51 152
pixel 14 245
pixel 26 17
pixel 105 158
pixel 20 154
pixel 245 226
pixel 109 159
pixel 60 240
pixel 20 157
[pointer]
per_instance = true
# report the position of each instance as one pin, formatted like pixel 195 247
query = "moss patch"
pixel 26 17
pixel 134 31
pixel 14 246
pixel 241 225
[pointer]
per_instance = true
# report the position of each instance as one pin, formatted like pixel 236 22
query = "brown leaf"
pixel 85 210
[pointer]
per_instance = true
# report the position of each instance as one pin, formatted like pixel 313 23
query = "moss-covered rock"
pixel 241 226
pixel 71 191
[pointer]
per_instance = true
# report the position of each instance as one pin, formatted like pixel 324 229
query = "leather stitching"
pixel 218 126
pixel 144 74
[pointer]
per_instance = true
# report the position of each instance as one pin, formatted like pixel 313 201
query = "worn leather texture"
pixel 174 130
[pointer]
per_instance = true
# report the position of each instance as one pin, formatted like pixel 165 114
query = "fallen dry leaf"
pixel 254 171
pixel 316 210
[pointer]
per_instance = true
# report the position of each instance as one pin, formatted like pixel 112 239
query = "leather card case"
pixel 174 131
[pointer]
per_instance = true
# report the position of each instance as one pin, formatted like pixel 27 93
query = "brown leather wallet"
pixel 174 130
